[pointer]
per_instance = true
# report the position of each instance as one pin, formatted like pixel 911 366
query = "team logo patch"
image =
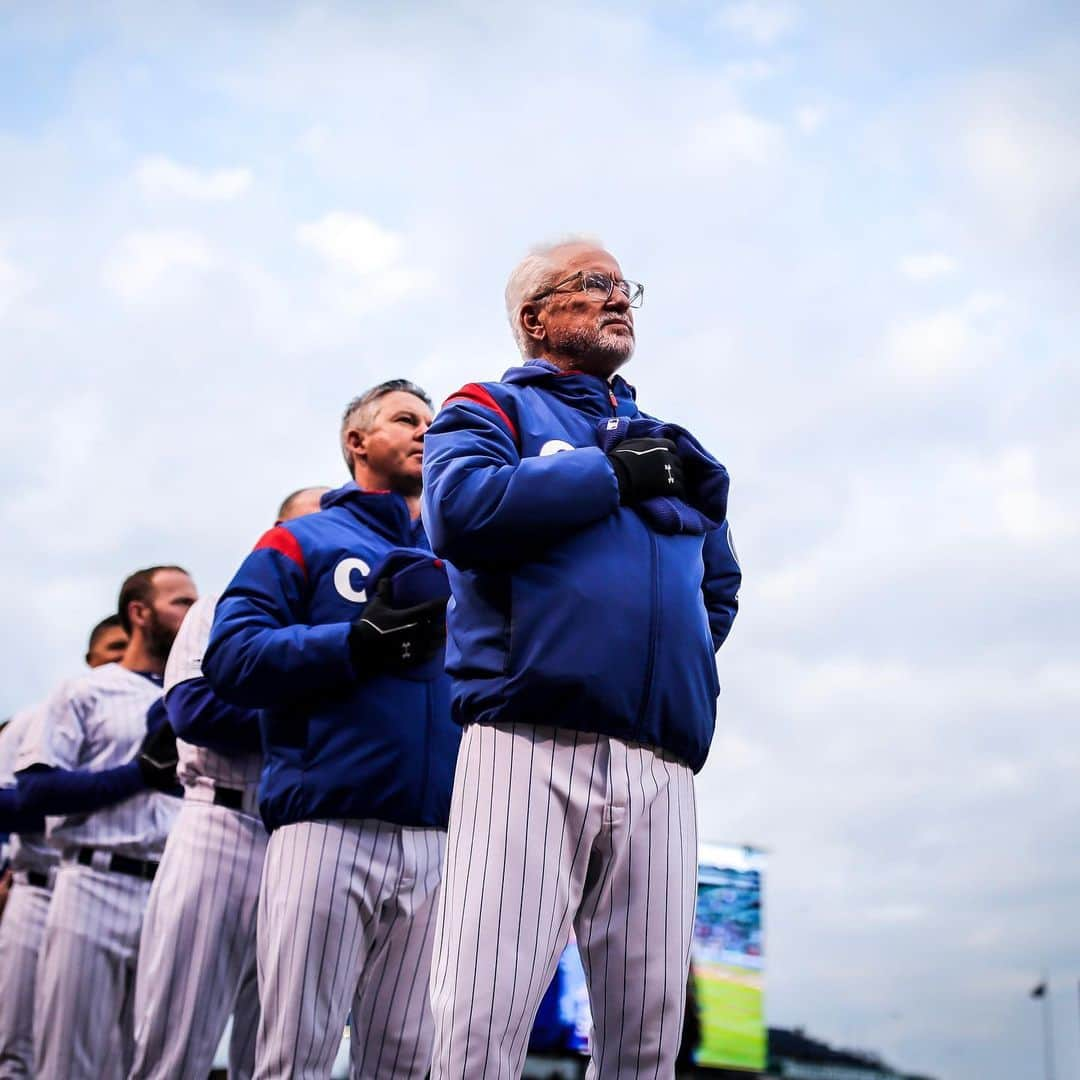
pixel 343 579
pixel 554 446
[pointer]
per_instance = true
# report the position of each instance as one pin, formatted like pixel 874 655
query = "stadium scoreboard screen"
pixel 728 958
pixel 726 971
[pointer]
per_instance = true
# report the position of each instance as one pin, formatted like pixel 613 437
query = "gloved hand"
pixel 385 638
pixel 646 468
pixel 157 757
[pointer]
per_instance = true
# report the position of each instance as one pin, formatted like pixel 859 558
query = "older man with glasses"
pixel 593 578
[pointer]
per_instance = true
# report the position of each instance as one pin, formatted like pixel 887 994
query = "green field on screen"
pixel 732 1019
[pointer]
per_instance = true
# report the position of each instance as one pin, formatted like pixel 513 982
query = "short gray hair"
pixel 535 273
pixel 367 401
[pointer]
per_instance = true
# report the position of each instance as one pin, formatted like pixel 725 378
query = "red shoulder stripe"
pixel 283 541
pixel 476 393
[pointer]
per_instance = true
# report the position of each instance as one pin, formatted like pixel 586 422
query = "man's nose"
pixel 618 300
pixel 421 429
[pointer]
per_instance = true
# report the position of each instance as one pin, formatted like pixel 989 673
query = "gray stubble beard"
pixel 589 344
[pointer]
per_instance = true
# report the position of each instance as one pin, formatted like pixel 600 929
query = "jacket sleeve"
pixel 721 582
pixel 44 791
pixel 200 717
pixel 14 818
pixel 483 502
pixel 262 652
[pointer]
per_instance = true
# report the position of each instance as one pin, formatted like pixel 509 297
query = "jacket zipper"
pixel 654 564
pixel 427 749
pixel 414 531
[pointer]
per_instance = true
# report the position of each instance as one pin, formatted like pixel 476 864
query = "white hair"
pixel 535 273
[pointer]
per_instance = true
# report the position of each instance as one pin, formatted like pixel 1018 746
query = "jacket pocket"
pixel 286 728
pixel 580 627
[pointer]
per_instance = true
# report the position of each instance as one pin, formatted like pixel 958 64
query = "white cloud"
pixel 1026 511
pixel 947 343
pixel 1025 158
pixel 923 267
pixel 366 263
pixel 352 242
pixel 729 140
pixel 14 283
pixel 762 21
pixel 161 177
pixel 809 118
pixel 148 264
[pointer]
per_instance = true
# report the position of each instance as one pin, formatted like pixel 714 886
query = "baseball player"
pixel 197 949
pixel 593 581
pixel 97 723
pixel 335 626
pixel 108 640
pixel 33 863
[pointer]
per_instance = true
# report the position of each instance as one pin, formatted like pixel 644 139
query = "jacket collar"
pixel 385 512
pixel 575 387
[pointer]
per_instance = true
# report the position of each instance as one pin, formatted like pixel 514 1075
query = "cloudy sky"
pixel 858 224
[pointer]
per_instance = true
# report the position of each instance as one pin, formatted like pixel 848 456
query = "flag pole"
pixel 1048 1032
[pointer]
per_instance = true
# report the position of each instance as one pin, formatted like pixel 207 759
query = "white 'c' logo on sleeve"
pixel 343 579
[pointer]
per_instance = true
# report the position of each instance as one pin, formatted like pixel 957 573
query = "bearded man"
pixel 110 806
pixel 593 581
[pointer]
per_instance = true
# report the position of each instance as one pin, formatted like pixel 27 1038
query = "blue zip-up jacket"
pixel 569 609
pixel 335 747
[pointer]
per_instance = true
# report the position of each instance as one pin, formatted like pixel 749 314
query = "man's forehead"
pixel 173 581
pixel 584 257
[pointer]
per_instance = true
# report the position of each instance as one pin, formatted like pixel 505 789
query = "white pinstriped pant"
pixel 21 932
pixel 197 948
pixel 346 920
pixel 83 1003
pixel 551 829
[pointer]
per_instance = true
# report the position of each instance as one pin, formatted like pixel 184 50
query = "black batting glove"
pixel 646 468
pixel 389 639
pixel 158 759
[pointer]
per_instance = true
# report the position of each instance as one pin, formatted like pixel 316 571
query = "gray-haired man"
pixel 593 581
pixel 347 664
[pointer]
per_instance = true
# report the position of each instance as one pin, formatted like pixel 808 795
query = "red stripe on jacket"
pixel 283 541
pixel 475 393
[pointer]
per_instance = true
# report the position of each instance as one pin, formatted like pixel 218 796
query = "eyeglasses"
pixel 598 286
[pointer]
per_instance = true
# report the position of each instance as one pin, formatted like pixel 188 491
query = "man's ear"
pixel 356 441
pixel 137 613
pixel 531 322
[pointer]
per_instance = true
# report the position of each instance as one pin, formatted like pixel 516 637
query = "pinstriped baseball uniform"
pixel 354 900
pixel 85 975
pixel 546 823
pixel 23 925
pixel 197 951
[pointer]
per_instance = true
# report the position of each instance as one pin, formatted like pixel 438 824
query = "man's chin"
pixel 606 361
pixel 407 484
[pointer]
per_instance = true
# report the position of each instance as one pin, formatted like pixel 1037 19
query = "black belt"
pixel 36 877
pixel 231 797
pixel 119 864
